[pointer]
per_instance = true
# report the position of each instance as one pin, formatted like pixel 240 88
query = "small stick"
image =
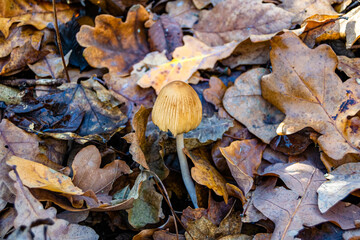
pixel 59 40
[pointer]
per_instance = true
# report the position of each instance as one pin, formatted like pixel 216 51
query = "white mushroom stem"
pixel 189 184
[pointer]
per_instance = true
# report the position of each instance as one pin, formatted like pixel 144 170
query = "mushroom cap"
pixel 177 108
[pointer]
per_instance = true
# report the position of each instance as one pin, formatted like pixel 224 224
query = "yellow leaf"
pixel 36 175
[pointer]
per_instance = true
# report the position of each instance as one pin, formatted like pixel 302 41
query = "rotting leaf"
pixel 205 174
pixel 89 176
pixel 244 102
pixel 194 55
pixel 30 210
pixel 341 182
pixel 244 158
pixel 312 95
pixel 36 175
pixel 75 110
pixel 166 35
pixel 298 201
pixel 115 44
pixel 234 20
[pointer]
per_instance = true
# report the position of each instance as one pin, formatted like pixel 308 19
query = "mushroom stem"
pixel 189 184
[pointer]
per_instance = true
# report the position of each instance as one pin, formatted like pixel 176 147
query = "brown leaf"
pixel 194 55
pixel 36 175
pixel 292 144
pixel 31 12
pixel 350 66
pixel 244 102
pixel 89 176
pixel 215 93
pixel 312 95
pixel 166 35
pixel 303 9
pixel 234 20
pixel 205 174
pixel 184 12
pixel 30 210
pixel 244 158
pixel 341 182
pixel 138 139
pixel 298 206
pixel 115 44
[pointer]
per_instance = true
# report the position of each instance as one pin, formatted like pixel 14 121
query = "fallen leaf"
pixel 30 210
pixel 7 221
pixel 262 236
pixel 341 182
pixel 194 55
pixel 292 144
pixel 115 44
pixel 31 12
pixel 234 20
pixel 199 4
pixel 324 231
pixel 298 201
pixel 351 234
pixel 184 12
pixel 147 207
pixel 350 66
pixel 244 158
pixel 89 176
pixel 244 102
pixel 80 109
pixel 312 96
pixel 304 9
pixel 166 35
pixel 215 93
pixel 205 174
pixel 36 175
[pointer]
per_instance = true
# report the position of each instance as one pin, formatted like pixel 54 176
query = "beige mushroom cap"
pixel 177 108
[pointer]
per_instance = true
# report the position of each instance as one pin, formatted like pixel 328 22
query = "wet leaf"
pixel 341 182
pixel 89 176
pixel 233 20
pixel 244 158
pixel 184 12
pixel 244 102
pixel 205 174
pixel 194 55
pixel 166 35
pixel 115 44
pixel 320 100
pixel 30 210
pixel 36 175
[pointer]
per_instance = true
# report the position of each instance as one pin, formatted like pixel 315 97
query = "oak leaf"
pixel 30 210
pixel 194 55
pixel 312 95
pixel 115 44
pixel 298 202
pixel 234 20
pixel 244 158
pixel 341 182
pixel 244 102
pixel 184 12
pixel 350 66
pixel 36 175
pixel 89 176
pixel 31 12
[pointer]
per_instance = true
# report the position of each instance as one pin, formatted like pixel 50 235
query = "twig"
pixel 59 40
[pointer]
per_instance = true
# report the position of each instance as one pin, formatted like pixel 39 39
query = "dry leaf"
pixel 115 44
pixel 205 174
pixel 36 175
pixel 194 55
pixel 303 9
pixel 341 182
pixel 244 102
pixel 184 12
pixel 166 35
pixel 298 206
pixel 244 158
pixel 89 176
pixel 31 12
pixel 215 93
pixel 350 66
pixel 30 210
pixel 234 20
pixel 312 95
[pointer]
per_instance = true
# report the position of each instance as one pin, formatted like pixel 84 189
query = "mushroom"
pixel 178 109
